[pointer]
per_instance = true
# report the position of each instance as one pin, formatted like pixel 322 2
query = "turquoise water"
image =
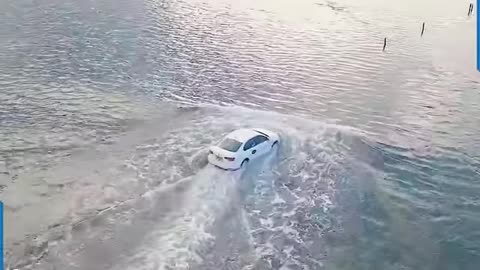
pixel 107 107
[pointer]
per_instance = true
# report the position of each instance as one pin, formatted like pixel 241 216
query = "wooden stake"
pixel 423 29
pixel 384 44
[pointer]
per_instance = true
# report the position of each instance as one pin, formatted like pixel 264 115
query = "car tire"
pixel 244 163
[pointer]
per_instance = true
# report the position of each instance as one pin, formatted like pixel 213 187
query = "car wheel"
pixel 244 163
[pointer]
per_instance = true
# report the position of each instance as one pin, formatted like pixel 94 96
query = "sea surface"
pixel 108 107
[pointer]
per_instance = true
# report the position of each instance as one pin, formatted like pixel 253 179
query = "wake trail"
pixel 177 243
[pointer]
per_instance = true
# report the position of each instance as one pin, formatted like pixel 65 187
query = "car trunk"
pixel 222 154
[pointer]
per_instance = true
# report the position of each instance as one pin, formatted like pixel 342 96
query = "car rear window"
pixel 230 144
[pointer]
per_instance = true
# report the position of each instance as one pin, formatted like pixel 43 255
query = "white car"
pixel 241 146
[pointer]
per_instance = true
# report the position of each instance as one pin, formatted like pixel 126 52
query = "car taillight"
pixel 230 158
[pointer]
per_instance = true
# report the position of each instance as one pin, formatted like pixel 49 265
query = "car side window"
pixel 254 142
pixel 260 139
pixel 249 144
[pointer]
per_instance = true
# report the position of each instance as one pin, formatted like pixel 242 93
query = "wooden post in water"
pixel 470 9
pixel 384 44
pixel 423 29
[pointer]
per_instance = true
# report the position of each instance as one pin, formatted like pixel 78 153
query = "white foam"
pixel 278 199
pixel 178 245
pixel 326 202
pixel 267 222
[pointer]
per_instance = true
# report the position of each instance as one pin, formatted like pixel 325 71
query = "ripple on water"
pixel 69 73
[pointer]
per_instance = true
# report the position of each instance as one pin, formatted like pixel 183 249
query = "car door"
pixel 249 148
pixel 261 144
pixel 256 146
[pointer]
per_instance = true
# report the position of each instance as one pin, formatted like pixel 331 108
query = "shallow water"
pixel 107 108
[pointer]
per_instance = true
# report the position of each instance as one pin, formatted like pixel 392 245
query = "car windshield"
pixel 230 144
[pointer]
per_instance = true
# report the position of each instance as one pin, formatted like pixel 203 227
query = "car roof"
pixel 243 134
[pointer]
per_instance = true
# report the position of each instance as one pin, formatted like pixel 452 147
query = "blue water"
pixel 107 107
